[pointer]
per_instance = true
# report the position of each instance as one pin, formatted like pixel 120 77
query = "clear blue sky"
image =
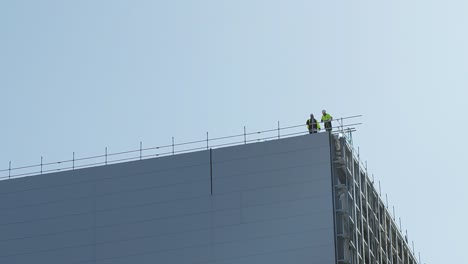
pixel 82 75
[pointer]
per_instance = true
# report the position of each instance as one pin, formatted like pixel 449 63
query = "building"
pixel 301 199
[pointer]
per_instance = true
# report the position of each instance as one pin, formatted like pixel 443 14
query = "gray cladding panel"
pixel 268 202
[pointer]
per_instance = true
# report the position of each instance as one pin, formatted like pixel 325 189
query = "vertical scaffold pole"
pixel 141 149
pixel 9 170
pixel 41 165
pixel 73 161
pixel 245 137
pixel 278 130
pixel 106 156
pixel 172 145
pixel 207 140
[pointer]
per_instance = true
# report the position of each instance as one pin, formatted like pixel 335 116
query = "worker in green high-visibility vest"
pixel 326 119
pixel 312 125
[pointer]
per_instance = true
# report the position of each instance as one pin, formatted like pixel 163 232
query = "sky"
pixel 79 76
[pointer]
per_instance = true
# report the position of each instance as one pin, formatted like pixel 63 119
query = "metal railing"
pixel 340 125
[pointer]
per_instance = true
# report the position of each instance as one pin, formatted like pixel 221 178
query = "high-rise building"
pixel 302 199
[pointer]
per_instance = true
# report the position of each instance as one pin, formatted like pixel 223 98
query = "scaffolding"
pixel 349 123
pixel 365 231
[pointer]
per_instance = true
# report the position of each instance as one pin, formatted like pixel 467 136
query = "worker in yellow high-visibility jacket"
pixel 326 119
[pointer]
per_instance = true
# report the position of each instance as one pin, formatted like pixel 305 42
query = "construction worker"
pixel 327 118
pixel 312 125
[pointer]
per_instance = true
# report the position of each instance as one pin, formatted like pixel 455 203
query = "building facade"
pixel 303 199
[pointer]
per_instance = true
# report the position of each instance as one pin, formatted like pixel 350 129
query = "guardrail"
pixel 340 125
